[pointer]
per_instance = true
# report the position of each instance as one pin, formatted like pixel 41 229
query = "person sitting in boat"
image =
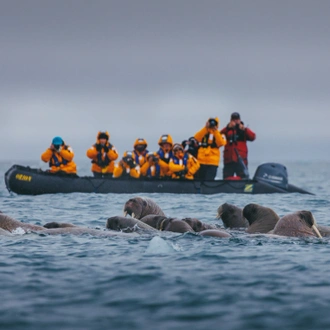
pixel 210 140
pixel 182 164
pixel 191 145
pixel 164 153
pixel 151 169
pixel 103 155
pixel 127 167
pixel 236 151
pixel 140 151
pixel 60 157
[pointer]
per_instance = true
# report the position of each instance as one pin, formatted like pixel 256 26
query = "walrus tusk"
pixel 317 231
pixel 133 215
pixel 315 228
pixel 125 213
pixel 218 216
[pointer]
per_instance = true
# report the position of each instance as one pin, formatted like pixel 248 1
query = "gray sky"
pixel 146 68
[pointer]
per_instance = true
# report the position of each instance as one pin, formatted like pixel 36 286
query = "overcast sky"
pixel 140 69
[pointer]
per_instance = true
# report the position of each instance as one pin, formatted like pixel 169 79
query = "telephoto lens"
pixel 212 122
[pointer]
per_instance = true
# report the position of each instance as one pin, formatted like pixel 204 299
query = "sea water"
pixel 165 280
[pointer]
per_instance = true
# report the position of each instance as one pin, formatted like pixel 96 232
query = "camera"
pixel 56 146
pixel 212 122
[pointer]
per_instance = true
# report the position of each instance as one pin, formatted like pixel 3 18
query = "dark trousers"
pixel 232 168
pixel 206 172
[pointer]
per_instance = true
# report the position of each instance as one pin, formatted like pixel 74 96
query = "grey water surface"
pixel 167 280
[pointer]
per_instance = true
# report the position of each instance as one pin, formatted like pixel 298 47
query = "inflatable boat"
pixel 269 178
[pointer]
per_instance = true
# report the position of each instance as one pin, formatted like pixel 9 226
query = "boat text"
pixel 23 177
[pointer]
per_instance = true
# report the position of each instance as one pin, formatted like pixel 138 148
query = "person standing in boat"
pixel 236 151
pixel 103 154
pixel 182 164
pixel 60 157
pixel 127 167
pixel 210 140
pixel 164 153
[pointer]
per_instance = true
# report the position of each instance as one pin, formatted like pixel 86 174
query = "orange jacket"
pixel 153 168
pixel 122 169
pixel 210 141
pixel 103 157
pixel 186 167
pixel 60 160
pixel 127 167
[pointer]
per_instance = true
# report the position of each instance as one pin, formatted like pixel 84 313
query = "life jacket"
pixel 155 173
pixel 183 161
pixel 140 158
pixel 102 157
pixel 208 141
pixel 161 154
pixel 54 161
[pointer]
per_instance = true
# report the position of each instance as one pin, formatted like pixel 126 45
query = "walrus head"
pixel 138 207
pixel 261 219
pixel 231 216
pixel 298 224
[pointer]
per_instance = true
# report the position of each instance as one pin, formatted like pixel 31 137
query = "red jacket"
pixel 236 139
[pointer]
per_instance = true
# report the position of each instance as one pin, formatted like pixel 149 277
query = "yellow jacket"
pixel 210 140
pixel 152 167
pixel 179 169
pixel 103 157
pixel 60 160
pixel 126 167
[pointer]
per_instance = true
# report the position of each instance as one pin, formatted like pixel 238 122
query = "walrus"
pixel 261 219
pixel 297 224
pixel 175 225
pixel 232 216
pixel 153 220
pixel 198 225
pixel 324 230
pixel 138 207
pixel 52 225
pixel 11 225
pixel 214 233
pixel 127 224
pixel 161 222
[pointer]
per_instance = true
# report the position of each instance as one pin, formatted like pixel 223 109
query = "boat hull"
pixel 28 181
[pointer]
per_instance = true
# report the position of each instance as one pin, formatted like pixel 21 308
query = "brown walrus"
pixel 232 216
pixel 324 230
pixel 214 233
pixel 11 225
pixel 138 207
pixel 161 222
pixel 198 225
pixel 298 224
pixel 261 219
pixel 53 225
pixel 127 224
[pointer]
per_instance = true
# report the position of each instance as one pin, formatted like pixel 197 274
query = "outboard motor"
pixel 272 173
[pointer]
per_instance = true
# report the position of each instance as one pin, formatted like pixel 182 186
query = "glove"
pixel 98 147
pixel 131 163
pixel 106 149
